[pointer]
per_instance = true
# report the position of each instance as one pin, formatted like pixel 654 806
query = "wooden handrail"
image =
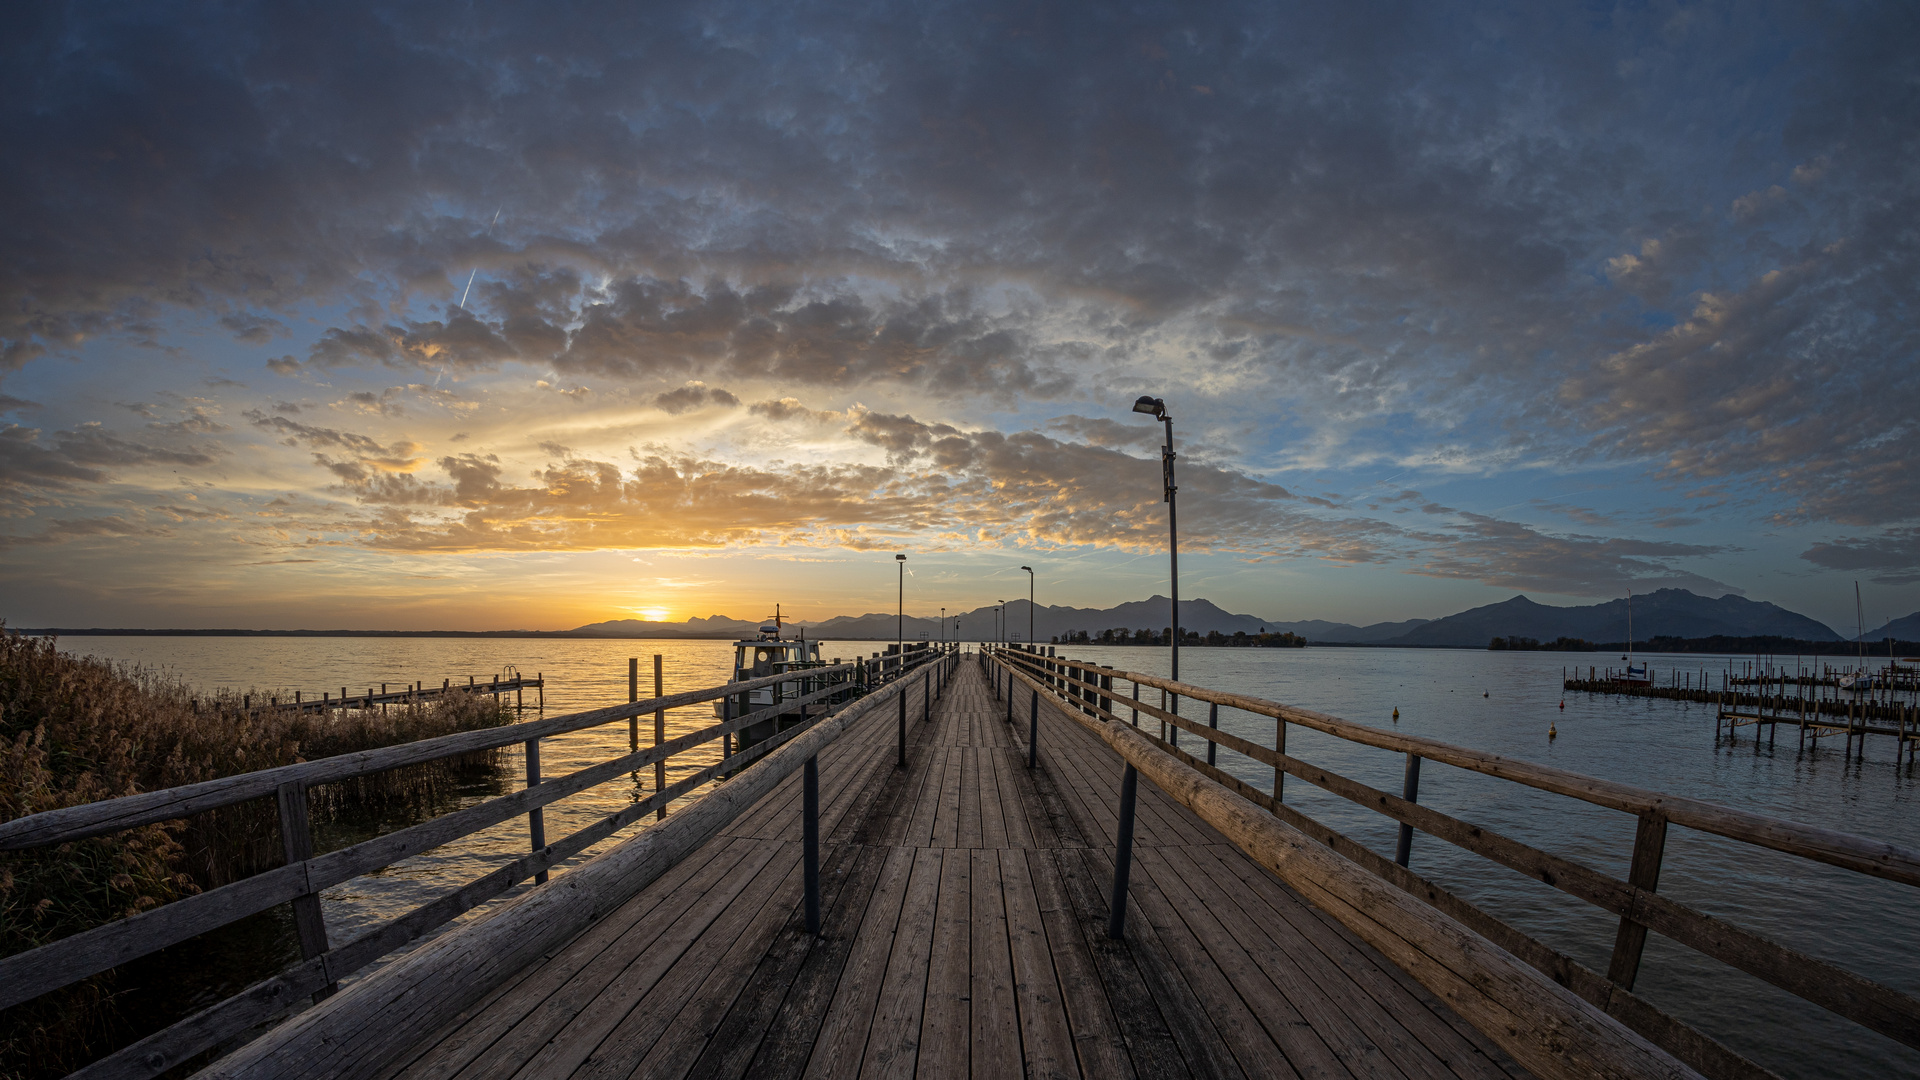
pixel 389 1009
pixel 1873 857
pixel 1546 1027
pixel 130 811
pixel 27 975
pixel 1873 1005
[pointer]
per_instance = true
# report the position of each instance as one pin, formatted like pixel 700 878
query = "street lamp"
pixel 900 610
pixel 943 626
pixel 1029 571
pixel 1002 609
pixel 1157 409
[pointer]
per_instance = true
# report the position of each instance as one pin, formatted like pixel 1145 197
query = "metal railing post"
pixel 1410 791
pixel 633 695
pixel 296 840
pixel 1136 708
pixel 1213 721
pixel 926 697
pixel 659 734
pixel 902 760
pixel 1122 855
pixel 1280 746
pixel 810 840
pixel 1033 730
pixel 536 817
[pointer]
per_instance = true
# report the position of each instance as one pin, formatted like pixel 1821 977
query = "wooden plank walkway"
pixel 964 913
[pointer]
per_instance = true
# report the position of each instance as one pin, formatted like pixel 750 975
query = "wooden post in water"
pixel 659 734
pixel 296 840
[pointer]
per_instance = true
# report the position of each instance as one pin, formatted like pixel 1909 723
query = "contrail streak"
pixel 476 270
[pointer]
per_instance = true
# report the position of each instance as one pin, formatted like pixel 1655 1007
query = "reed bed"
pixel 77 729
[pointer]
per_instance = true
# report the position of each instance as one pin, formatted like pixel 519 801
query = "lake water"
pixel 1496 701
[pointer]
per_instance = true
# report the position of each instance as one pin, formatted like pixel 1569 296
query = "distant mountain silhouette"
pixel 1906 628
pixel 1666 613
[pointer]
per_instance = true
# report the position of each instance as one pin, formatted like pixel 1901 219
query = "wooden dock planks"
pixel 964 913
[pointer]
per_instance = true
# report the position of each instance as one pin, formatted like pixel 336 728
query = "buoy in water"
pixel 1396 712
pixel 1551 733
pixel 1485 693
pixel 1563 703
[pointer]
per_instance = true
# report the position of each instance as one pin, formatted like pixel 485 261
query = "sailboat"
pixel 1635 676
pixel 1859 680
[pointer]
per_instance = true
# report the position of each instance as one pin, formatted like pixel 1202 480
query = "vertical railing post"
pixel 659 735
pixel 633 695
pixel 1122 855
pixel 1136 708
pixel 1279 746
pixel 1649 843
pixel 1033 729
pixel 810 841
pixel 1213 721
pixel 296 840
pixel 901 759
pixel 926 696
pixel 536 817
pixel 1410 791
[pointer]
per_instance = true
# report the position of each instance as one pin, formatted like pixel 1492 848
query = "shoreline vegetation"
pixel 1239 639
pixel 77 729
pixel 1768 645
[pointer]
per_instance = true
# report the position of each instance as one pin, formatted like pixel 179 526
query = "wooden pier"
pixel 414 694
pixel 984 866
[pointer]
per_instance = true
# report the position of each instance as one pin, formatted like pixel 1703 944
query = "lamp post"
pixel 943 626
pixel 1003 623
pixel 1157 409
pixel 1029 571
pixel 900 610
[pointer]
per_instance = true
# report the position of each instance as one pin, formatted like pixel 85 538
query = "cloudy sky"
pixel 467 315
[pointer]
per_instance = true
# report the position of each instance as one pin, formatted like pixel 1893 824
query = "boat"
pixel 771 653
pixel 1859 680
pixel 1633 676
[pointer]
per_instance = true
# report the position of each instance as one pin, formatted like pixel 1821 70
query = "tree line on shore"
pixel 1768 644
pixel 1239 639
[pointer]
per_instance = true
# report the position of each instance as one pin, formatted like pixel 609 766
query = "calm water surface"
pixel 1499 702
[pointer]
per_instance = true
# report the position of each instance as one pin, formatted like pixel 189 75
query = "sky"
pixel 475 316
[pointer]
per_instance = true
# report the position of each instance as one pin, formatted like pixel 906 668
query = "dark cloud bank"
pixel 1679 237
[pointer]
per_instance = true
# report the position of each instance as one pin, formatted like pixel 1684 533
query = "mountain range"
pixel 1664 613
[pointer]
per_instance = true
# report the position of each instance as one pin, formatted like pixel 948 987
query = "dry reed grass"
pixel 76 730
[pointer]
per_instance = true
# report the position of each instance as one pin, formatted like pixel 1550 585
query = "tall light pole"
pixel 1029 571
pixel 1156 408
pixel 1003 623
pixel 943 626
pixel 900 610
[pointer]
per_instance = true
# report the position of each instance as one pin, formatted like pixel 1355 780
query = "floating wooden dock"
pixel 414 694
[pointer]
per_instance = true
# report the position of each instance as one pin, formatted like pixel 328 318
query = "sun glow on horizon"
pixel 654 614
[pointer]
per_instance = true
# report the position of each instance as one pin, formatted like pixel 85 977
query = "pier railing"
pixel 821 692
pixel 1089 694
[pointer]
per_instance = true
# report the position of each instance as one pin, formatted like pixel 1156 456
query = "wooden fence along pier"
pixel 998 864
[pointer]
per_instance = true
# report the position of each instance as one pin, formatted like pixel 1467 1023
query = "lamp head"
pixel 1028 569
pixel 900 558
pixel 1152 406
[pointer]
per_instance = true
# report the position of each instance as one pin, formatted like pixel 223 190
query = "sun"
pixel 655 614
